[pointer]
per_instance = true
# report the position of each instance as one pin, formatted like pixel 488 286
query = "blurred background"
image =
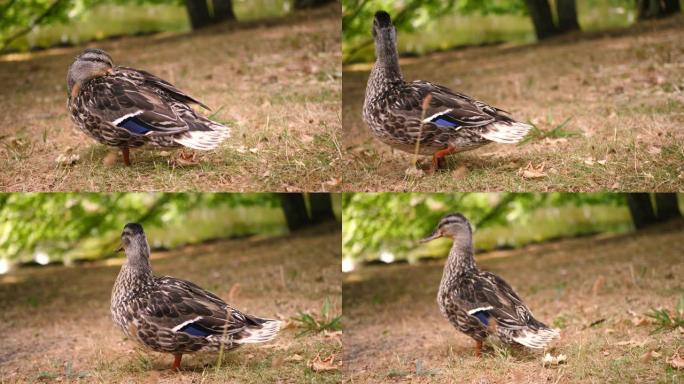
pixel 35 24
pixel 435 25
pixel 66 228
pixel 385 227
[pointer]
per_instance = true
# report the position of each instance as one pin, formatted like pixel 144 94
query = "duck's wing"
pixel 182 306
pixel 139 110
pixel 452 110
pixel 487 297
pixel 146 78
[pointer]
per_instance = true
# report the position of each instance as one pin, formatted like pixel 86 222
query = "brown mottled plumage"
pixel 450 122
pixel 124 107
pixel 175 316
pixel 478 303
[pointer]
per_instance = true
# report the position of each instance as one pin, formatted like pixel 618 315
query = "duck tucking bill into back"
pixel 125 108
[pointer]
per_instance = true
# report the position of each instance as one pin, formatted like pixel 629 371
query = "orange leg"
pixel 176 361
pixel 126 158
pixel 478 348
pixel 439 156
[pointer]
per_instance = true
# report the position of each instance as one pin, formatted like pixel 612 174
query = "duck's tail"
pixel 259 333
pixel 536 338
pixel 506 132
pixel 208 137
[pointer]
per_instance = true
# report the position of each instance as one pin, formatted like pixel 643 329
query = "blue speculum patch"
pixel 134 125
pixel 445 121
pixel 483 316
pixel 194 330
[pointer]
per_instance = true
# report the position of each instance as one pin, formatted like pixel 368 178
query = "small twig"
pixel 426 105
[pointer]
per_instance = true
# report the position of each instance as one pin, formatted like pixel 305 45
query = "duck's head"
pixel 452 226
pixel 383 29
pixel 134 242
pixel 89 64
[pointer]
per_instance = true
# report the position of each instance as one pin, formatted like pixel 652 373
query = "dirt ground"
pixel 57 326
pixel 276 83
pixel 394 331
pixel 622 91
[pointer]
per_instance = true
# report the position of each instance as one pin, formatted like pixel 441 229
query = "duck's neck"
pixel 386 72
pixel 460 256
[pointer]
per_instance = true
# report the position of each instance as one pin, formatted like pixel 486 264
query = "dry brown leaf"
pixel 676 361
pixel 317 364
pixel 234 290
pixel 333 182
pixel 294 357
pixel 459 172
pixel 66 159
pixel 532 172
pixel 640 321
pixel 110 158
pixel 648 356
pixel 598 284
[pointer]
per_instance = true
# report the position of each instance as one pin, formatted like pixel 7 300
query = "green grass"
pixel 311 324
pixel 666 320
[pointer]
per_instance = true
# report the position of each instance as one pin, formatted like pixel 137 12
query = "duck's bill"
pixel 120 249
pixel 434 235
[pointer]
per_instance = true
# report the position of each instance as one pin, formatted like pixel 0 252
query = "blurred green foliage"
pixel 394 222
pixel 60 221
pixel 449 23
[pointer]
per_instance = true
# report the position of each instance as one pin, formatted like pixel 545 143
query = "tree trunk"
pixel 649 9
pixel 666 206
pixel 223 10
pixel 567 15
pixel 641 210
pixel 295 210
pixel 198 13
pixel 540 12
pixel 672 6
pixel 299 4
pixel 321 207
pixel 201 16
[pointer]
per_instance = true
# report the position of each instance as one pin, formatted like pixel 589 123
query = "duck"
pixel 480 303
pixel 170 315
pixel 126 108
pixel 424 118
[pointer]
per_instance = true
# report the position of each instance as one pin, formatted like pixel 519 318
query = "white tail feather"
pixel 204 140
pixel 506 133
pixel 267 332
pixel 537 338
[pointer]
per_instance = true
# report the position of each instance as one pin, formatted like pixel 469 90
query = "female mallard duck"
pixel 402 114
pixel 124 107
pixel 482 304
pixel 176 316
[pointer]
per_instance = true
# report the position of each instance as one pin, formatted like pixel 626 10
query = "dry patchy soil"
pixel 623 93
pixel 276 83
pixel 395 333
pixel 57 327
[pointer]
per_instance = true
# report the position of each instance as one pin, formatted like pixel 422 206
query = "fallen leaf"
pixel 414 173
pixel 333 182
pixel 459 172
pixel 640 321
pixel 532 172
pixel 553 361
pixel 67 159
pixel 277 361
pixel 648 356
pixel 676 361
pixel 294 357
pixel 234 290
pixel 323 365
pixel 598 284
